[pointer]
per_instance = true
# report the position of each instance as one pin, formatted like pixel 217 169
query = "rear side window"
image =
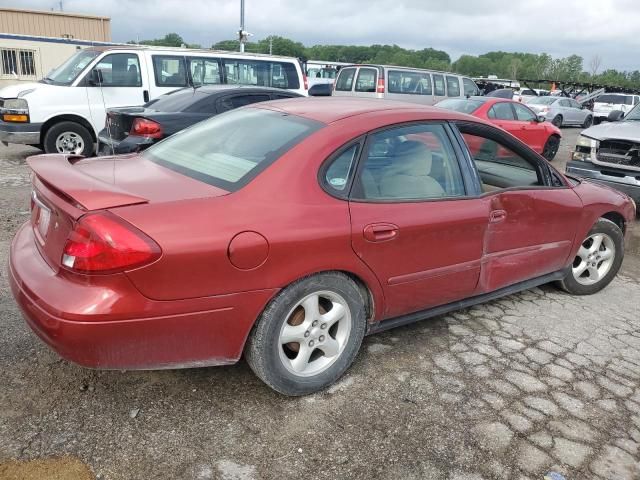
pixel 236 101
pixel 501 111
pixel 169 71
pixel 470 87
pixel 264 73
pixel 228 150
pixel 205 71
pixel 438 85
pixel 453 86
pixel 337 175
pixel 409 83
pixel 366 82
pixel 344 83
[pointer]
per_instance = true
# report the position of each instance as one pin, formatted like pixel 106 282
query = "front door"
pixel 533 216
pixel 412 221
pixel 119 83
pixel 531 132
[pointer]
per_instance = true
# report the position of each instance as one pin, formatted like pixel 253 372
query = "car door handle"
pixel 497 216
pixel 380 232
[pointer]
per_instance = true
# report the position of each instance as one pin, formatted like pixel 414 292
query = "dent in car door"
pixel 411 222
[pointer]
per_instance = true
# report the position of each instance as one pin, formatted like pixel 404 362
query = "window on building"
pixel 16 62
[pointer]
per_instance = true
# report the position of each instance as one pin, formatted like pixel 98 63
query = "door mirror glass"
pixel 541 118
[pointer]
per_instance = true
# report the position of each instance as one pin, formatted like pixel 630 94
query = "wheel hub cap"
pixel 594 260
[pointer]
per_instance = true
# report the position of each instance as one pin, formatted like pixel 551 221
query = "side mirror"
pixel 95 77
pixel 541 118
pixel 321 90
pixel 615 116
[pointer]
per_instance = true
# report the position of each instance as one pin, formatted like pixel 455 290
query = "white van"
pixel 608 102
pixel 401 83
pixel 64 112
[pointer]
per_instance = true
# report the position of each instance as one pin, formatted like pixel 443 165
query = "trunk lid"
pixel 66 187
pixel 120 120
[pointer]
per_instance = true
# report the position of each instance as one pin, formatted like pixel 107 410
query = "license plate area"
pixel 40 218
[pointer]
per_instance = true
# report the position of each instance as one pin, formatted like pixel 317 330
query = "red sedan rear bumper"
pixel 105 322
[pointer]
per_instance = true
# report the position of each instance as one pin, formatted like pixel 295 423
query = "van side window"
pixel 470 87
pixel 205 71
pixel 169 71
pixel 409 83
pixel 453 86
pixel 261 72
pixel 345 79
pixel 120 70
pixel 438 85
pixel 367 80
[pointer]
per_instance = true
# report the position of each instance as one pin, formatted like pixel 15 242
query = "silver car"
pixel 561 111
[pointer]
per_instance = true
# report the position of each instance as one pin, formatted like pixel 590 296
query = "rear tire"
pixel 69 138
pixel 597 261
pixel 587 122
pixel 557 121
pixel 551 147
pixel 298 346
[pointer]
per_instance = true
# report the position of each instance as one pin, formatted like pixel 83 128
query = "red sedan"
pixel 290 230
pixel 514 117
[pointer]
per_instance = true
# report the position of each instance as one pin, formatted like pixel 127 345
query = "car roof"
pixel 332 109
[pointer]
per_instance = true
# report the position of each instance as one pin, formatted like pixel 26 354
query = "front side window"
pixel 438 85
pixel 453 86
pixel 366 82
pixel 120 70
pixel 66 73
pixel 415 162
pixel 169 71
pixel 501 111
pixel 230 149
pixel 500 167
pixel 409 83
pixel 523 113
pixel 344 83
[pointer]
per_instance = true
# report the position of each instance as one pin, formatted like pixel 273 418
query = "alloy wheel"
pixel 315 333
pixel 594 259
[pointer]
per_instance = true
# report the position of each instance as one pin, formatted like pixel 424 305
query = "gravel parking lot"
pixel 534 383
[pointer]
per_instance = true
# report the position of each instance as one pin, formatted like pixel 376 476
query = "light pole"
pixel 242 34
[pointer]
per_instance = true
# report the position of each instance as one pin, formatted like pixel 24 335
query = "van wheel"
pixel 308 335
pixel 69 138
pixel 597 261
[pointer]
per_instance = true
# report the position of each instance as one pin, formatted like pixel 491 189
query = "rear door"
pixel 120 83
pixel 413 222
pixel 439 88
pixel 345 82
pixel 533 216
pixel 366 83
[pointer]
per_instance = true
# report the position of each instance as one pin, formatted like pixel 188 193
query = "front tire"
pixel 308 335
pixel 69 138
pixel 551 147
pixel 597 261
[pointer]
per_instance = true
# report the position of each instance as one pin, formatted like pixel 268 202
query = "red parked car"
pixel 290 230
pixel 514 117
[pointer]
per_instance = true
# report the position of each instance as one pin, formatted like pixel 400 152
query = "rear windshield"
pixel 617 99
pixel 541 100
pixel 459 105
pixel 176 101
pixel 229 150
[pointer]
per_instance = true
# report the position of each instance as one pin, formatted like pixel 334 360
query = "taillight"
pixel 306 82
pixel 380 88
pixel 144 127
pixel 104 243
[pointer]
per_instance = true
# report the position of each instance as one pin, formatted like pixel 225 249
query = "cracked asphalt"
pixel 533 383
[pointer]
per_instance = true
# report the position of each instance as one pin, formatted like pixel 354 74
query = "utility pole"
pixel 242 34
pixel 270 45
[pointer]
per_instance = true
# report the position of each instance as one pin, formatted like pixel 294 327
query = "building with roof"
pixel 33 42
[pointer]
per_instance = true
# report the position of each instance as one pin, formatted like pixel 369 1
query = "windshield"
pixel 634 114
pixel 458 105
pixel 229 150
pixel 617 99
pixel 541 100
pixel 69 70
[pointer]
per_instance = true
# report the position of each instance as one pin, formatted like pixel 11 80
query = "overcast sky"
pixel 608 28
